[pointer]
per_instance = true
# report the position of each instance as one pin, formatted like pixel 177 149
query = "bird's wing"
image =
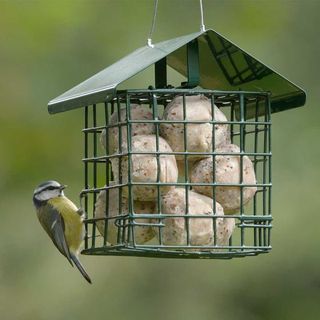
pixel 53 223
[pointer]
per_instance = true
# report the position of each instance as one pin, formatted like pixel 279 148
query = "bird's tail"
pixel 80 267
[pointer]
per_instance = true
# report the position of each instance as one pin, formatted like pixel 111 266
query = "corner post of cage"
pixel 268 102
pixel 86 174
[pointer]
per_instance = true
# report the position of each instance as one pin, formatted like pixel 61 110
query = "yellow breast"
pixel 74 229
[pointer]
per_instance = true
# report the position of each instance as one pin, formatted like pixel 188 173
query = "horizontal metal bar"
pixel 255 226
pixel 95 190
pixel 156 246
pixel 173 254
pixel 259 160
pixel 181 248
pixel 116 217
pixel 237 133
pixel 124 154
pixel 213 184
pixel 260 218
pixel 213 122
pixel 195 91
pixel 181 184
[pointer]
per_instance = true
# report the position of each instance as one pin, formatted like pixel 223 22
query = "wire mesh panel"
pixel 178 173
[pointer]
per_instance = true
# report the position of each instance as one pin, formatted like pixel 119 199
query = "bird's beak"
pixel 63 187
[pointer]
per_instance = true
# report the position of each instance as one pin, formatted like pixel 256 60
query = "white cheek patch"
pixel 47 194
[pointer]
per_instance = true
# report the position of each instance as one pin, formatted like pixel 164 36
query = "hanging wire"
pixel 202 26
pixel 149 41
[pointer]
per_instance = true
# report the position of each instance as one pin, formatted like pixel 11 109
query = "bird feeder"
pixel 180 170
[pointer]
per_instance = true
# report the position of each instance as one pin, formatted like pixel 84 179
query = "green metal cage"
pixel 253 222
pixel 192 223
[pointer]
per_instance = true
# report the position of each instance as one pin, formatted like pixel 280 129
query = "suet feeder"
pixel 135 203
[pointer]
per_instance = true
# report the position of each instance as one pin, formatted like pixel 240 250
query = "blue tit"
pixel 62 221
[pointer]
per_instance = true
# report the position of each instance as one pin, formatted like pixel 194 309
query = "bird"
pixel 62 221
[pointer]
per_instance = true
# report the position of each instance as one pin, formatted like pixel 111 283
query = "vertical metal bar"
pixel 118 159
pixel 268 103
pixel 265 160
pixel 155 116
pixel 86 185
pixel 187 221
pixel 94 122
pixel 242 148
pixel 232 116
pixel 111 112
pixel 214 220
pixel 130 191
pixel 256 135
pixel 107 173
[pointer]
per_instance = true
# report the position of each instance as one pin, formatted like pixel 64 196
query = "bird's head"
pixel 47 190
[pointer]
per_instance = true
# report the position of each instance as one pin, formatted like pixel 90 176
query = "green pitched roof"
pixel 223 66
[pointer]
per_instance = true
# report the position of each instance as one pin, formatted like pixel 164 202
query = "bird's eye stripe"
pixel 46 188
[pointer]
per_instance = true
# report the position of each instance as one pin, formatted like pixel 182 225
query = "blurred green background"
pixel 48 47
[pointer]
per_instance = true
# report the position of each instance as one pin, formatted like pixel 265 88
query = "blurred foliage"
pixel 49 46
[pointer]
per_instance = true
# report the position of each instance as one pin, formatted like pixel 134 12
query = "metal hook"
pixel 149 40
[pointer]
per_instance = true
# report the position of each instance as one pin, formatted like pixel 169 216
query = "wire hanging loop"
pixel 149 41
pixel 202 26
